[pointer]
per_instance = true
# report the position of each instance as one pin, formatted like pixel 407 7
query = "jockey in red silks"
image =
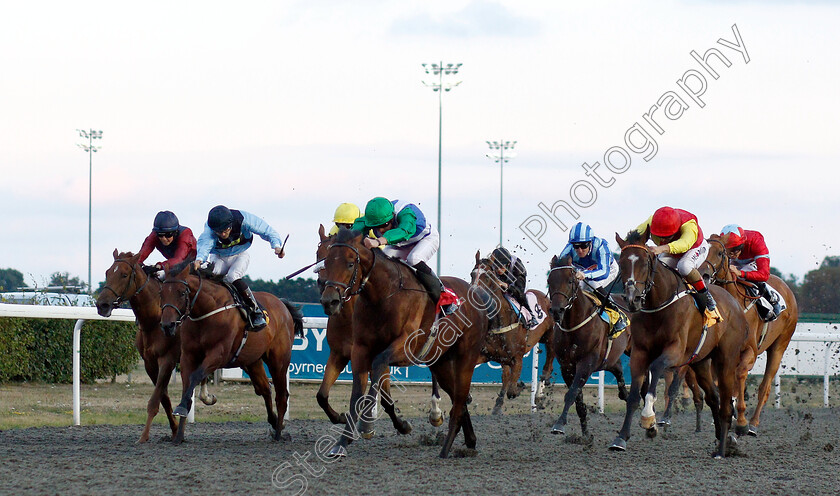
pixel 174 241
pixel 681 246
pixel 749 260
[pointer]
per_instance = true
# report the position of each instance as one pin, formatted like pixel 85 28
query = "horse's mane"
pixel 559 262
pixel 635 237
pixel 345 235
pixel 177 268
pixel 125 254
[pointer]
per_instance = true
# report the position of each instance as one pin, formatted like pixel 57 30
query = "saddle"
pixel 241 305
pixel 766 302
pixel 616 319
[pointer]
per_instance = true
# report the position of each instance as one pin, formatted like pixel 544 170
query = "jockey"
pixel 749 260
pixel 172 240
pixel 680 245
pixel 401 230
pixel 512 275
pixel 226 237
pixel 345 215
pixel 598 266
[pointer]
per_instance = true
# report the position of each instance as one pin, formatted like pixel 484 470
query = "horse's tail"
pixel 297 316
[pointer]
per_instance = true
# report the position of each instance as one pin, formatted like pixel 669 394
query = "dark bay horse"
pixel 125 280
pixel 214 336
pixel 340 342
pixel 508 339
pixel 582 340
pixel 394 323
pixel 669 332
pixel 770 337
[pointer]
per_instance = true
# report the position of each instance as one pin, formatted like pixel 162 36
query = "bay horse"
pixel 669 332
pixel 125 280
pixel 770 337
pixel 340 342
pixel 582 340
pixel 214 336
pixel 394 323
pixel 508 339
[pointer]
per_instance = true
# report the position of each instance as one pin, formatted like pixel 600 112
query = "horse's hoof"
pixel 742 430
pixel 342 419
pixel 180 411
pixel 469 398
pixel 558 428
pixel 652 432
pixel 647 422
pixel 284 436
pixel 618 444
pixel 404 428
pixel 665 422
pixel 368 434
pixel 337 451
pixel 211 401
pixel 436 422
pixel 752 431
pixel 718 456
pixel 497 410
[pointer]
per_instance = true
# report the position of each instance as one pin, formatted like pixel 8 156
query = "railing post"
pixel 77 372
pixel 601 391
pixel 535 378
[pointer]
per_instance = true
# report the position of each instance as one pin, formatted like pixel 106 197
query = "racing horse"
pixel 214 336
pixel 508 338
pixel 770 337
pixel 395 323
pixel 125 280
pixel 340 341
pixel 669 332
pixel 582 340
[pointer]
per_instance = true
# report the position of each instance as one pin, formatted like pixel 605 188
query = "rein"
pixel 570 299
pixel 131 280
pixel 653 263
pixel 344 289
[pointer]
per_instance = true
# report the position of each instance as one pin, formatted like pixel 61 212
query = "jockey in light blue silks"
pixel 597 268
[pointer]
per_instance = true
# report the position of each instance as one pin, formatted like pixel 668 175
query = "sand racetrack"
pixel 797 452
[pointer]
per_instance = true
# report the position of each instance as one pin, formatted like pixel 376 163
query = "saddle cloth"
pixel 766 306
pixel 608 315
pixel 523 313
pixel 447 298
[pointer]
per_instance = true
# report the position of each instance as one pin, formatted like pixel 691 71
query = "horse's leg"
pixel 515 373
pixel 667 359
pixel 162 369
pixel 190 376
pixel 335 364
pixel 703 374
pixel 350 432
pixel 745 364
pixel 575 381
pixel 262 388
pixel 435 413
pixel 774 359
pixel 154 401
pixel 548 366
pixel 205 395
pixel 639 363
pixel 389 405
pixel 673 382
pixel 506 383
pixel 580 407
pixel 455 377
pixel 725 368
pixel 618 372
pixel 278 366
pixel 696 396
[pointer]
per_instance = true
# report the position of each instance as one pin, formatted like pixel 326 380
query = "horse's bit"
pixel 121 297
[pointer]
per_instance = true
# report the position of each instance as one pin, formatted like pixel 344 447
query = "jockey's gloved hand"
pixel 149 269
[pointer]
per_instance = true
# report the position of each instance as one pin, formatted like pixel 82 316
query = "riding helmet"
pixel 665 223
pixel 346 213
pixel 378 211
pixel 219 218
pixel 165 222
pixel 733 236
pixel 580 233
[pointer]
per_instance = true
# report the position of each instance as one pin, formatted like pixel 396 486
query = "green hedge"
pixel 41 350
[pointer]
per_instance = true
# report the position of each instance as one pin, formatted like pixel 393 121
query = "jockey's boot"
pixel 429 280
pixel 623 321
pixel 703 292
pixel 255 313
pixel 771 298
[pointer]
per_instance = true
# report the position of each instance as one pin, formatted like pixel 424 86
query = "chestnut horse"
pixel 126 280
pixel 770 337
pixel 508 339
pixel 394 323
pixel 214 336
pixel 582 340
pixel 669 332
pixel 340 342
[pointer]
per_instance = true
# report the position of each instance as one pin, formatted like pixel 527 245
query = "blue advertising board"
pixel 310 353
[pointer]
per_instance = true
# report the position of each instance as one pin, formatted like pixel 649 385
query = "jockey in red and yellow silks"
pixel 680 245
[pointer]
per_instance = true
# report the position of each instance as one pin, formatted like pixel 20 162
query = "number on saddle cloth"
pixel 535 318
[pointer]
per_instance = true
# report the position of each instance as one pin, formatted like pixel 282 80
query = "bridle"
pixel 122 297
pixel 648 283
pixel 344 290
pixel 723 261
pixel 190 303
pixel 569 298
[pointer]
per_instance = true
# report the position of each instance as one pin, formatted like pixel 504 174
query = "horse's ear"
pixel 116 253
pixel 321 232
pixel 618 240
pixel 477 256
pixel 553 262
pixel 715 237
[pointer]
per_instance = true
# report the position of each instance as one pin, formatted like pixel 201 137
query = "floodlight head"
pixel 96 134
pixel 82 133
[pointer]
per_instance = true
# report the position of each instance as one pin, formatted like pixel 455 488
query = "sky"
pixel 287 109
